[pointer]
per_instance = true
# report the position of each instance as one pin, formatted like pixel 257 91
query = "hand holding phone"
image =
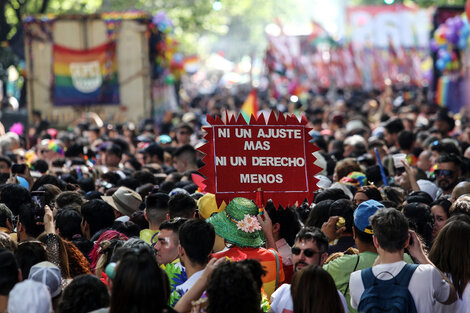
pixel 39 203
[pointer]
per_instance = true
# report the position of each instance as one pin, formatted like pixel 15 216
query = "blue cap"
pixel 164 139
pixel 365 210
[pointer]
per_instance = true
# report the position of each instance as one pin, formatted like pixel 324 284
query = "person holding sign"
pixel 238 225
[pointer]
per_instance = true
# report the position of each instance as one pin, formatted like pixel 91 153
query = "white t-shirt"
pixel 459 306
pixel 184 287
pixel 426 285
pixel 285 251
pixel 281 300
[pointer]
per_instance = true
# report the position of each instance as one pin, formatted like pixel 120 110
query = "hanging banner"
pixel 85 77
pixel 275 157
pixel 380 26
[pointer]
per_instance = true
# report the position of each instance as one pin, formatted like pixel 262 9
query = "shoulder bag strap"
pixel 278 266
pixel 355 267
pixel 405 274
pixel 368 277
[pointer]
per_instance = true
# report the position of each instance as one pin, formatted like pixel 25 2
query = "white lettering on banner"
pixel 242 133
pixel 261 178
pixel 277 161
pixel 86 76
pixel 280 133
pixel 257 145
pixel 220 161
pixel 238 161
pixel 223 133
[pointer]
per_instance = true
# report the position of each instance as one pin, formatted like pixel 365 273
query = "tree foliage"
pixel 236 29
pixel 421 3
pixel 238 26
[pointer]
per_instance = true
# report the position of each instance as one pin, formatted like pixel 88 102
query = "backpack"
pixel 390 295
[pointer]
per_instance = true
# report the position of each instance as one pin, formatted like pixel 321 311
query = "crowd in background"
pixel 112 218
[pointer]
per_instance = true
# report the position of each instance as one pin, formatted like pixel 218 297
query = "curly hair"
pixel 78 264
pixel 233 288
pixel 461 206
pixel 84 294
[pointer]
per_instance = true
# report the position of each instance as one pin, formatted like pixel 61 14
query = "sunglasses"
pixel 445 173
pixel 307 252
pixel 184 133
pixel 399 171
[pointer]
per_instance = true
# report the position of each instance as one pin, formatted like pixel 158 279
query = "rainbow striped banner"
pixel 85 77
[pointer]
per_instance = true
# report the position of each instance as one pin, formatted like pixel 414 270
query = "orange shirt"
pixel 262 255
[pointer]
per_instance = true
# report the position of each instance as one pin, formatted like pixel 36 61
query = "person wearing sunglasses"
pixel 447 172
pixel 311 248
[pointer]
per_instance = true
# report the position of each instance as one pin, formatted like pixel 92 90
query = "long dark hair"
pixel 140 286
pixel 314 290
pixel 451 251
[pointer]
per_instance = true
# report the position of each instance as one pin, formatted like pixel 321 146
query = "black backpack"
pixel 390 295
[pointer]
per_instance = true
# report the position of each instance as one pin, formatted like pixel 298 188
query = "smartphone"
pixel 39 200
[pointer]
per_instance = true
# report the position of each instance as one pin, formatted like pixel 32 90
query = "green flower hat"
pixel 238 224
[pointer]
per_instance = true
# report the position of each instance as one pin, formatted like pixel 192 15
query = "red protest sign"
pixel 273 155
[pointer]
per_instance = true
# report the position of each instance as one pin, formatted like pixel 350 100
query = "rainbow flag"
pixel 191 64
pixel 442 90
pixel 250 106
pixel 85 77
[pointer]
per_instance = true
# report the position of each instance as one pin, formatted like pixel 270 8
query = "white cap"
pixel 48 274
pixel 29 296
pixel 428 187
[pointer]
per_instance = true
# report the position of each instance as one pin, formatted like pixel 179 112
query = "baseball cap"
pixel 146 138
pixel 48 274
pixel 186 126
pixel 362 214
pixel 29 296
pixel 164 139
pixel 429 187
pixel 153 149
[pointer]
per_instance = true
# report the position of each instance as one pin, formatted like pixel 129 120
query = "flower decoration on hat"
pixel 249 224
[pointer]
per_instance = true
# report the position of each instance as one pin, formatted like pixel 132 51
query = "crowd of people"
pixel 112 218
